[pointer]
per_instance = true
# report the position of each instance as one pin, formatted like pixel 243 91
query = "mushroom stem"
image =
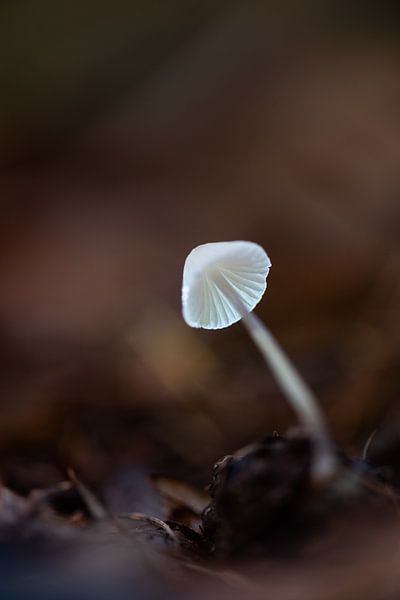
pixel 300 396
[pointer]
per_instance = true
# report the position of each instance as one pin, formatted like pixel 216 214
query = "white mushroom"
pixel 222 283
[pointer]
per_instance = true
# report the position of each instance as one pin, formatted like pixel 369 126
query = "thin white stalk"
pixel 300 396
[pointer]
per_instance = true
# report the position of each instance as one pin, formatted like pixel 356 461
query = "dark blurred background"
pixel 132 131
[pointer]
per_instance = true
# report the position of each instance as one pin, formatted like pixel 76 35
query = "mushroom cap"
pixel 222 281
